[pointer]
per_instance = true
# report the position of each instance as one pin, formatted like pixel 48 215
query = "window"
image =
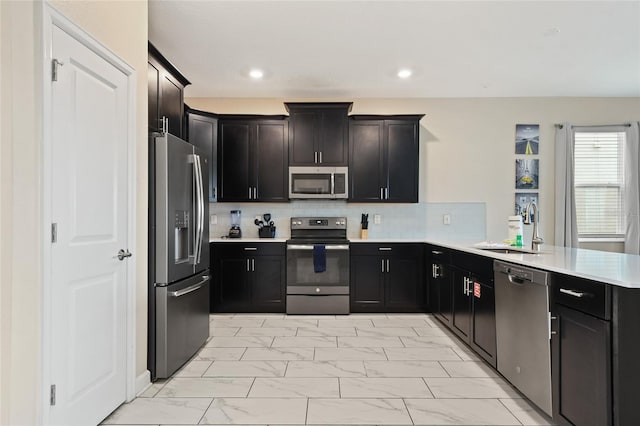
pixel 599 183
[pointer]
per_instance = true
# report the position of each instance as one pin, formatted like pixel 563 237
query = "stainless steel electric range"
pixel 318 266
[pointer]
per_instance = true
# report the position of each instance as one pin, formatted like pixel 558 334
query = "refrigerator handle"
pixel 197 168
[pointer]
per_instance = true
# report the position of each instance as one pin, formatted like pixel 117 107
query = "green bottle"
pixel 518 240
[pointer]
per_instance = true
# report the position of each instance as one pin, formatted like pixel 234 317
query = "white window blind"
pixel 599 183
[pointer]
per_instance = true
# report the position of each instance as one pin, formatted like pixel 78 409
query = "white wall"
pixel 122 27
pixel 467 145
pixel 21 230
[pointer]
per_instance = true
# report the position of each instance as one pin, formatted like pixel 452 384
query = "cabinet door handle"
pixel 253 265
pixel 315 157
pixel 433 270
pixel 255 192
pixel 248 265
pixel 381 265
pixel 388 269
pixel 249 192
pixel 320 155
pixel 386 193
pixel 382 193
pixel 551 332
pixel 572 293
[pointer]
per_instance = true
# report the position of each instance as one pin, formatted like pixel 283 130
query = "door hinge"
pixel 52 395
pixel 54 69
pixel 54 232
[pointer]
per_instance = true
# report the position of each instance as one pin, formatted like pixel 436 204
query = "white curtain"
pixel 566 229
pixel 632 190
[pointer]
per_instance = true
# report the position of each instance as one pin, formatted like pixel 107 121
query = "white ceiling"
pixel 353 49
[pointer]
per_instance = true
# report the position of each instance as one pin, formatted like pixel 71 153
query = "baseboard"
pixel 143 381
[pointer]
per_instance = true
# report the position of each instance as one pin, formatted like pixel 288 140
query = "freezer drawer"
pixel 182 322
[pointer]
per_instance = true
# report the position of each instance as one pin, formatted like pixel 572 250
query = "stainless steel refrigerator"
pixel 179 254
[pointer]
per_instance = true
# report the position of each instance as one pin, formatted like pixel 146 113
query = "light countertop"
pixel 612 268
pixel 247 240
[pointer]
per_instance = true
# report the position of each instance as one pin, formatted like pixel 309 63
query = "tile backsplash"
pixel 403 221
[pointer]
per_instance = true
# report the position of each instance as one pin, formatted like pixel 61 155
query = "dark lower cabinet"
pixel 367 283
pixel 474 304
pixel 387 278
pixel 248 277
pixel 581 364
pixel 439 283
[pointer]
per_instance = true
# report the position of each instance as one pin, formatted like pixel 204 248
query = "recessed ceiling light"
pixel 404 73
pixel 256 73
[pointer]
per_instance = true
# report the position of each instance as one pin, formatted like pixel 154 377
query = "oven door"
pixel 301 278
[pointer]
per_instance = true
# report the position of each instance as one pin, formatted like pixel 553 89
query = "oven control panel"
pixel 318 223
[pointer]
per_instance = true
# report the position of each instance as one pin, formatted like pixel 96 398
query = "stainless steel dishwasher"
pixel 523 330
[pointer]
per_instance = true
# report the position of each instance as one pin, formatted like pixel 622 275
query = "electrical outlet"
pixel 446 219
pixel 213 219
pixel 377 219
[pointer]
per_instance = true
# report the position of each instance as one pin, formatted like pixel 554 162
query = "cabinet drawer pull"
pixel 251 248
pixel 572 293
pixel 436 252
pixel 384 248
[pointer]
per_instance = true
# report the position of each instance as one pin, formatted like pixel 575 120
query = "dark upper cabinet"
pixel 386 278
pixel 318 133
pixel 202 131
pixel 384 158
pixel 166 94
pixel 248 277
pixel 252 158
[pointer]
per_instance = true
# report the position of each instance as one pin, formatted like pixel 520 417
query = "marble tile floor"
pixel 360 369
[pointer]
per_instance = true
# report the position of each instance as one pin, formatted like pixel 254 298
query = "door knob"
pixel 122 254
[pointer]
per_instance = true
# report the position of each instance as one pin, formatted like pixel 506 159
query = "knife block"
pixel 364 234
pixel 267 232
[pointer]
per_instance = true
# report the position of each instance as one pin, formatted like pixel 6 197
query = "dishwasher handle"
pixel 517 279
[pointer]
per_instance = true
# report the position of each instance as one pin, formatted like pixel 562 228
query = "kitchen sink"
pixel 515 250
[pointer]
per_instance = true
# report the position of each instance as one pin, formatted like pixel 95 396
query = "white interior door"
pixel 89 208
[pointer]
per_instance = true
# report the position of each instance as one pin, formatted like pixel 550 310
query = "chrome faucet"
pixel 536 240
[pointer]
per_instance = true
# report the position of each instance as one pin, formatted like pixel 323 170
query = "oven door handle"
pixel 310 247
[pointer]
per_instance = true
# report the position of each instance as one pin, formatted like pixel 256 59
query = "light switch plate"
pixel 377 219
pixel 446 219
pixel 213 219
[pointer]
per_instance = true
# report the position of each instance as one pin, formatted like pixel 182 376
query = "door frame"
pixel 50 18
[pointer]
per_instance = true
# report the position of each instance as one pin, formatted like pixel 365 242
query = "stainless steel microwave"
pixel 318 182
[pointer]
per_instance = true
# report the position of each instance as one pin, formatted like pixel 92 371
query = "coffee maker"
pixel 235 231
